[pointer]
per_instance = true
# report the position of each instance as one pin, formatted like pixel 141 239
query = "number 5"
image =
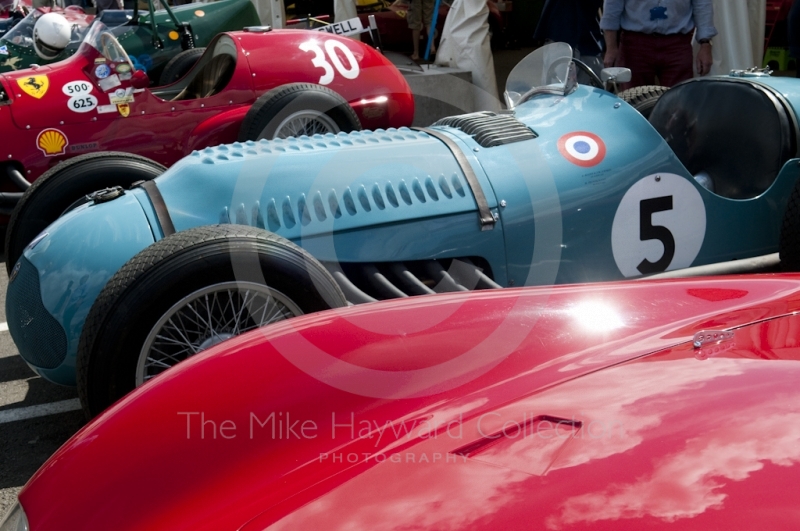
pixel 648 231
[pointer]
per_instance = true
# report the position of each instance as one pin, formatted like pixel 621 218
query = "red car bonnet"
pixel 316 408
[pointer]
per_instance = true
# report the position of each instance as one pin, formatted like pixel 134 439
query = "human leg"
pixel 637 51
pixel 675 58
pixel 414 17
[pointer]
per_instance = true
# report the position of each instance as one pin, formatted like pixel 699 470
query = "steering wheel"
pixel 593 77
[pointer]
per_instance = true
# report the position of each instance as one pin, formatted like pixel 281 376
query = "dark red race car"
pixel 247 85
pixel 628 406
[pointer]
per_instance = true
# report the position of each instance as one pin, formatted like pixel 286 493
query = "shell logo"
pixel 52 142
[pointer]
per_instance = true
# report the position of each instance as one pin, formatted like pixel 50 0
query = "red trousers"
pixel 649 55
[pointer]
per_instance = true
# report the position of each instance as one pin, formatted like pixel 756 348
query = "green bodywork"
pixel 140 41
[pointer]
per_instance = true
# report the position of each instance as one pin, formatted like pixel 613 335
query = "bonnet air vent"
pixel 490 129
pixel 531 446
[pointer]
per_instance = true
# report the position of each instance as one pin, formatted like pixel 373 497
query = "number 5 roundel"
pixel 660 225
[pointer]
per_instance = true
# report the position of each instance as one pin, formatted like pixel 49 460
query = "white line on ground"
pixel 3 327
pixel 41 410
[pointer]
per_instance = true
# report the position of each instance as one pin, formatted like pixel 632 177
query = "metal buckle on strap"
pixel 486 218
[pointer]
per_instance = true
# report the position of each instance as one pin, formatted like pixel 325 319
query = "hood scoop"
pixel 530 446
pixel 490 129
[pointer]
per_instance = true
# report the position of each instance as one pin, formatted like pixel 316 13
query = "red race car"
pixel 625 406
pixel 247 86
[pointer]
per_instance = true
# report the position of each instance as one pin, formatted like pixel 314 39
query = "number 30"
pixel 320 61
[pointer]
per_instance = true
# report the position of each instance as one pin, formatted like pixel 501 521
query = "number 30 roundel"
pixel 660 225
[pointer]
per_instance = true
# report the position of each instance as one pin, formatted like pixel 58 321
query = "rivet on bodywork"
pixel 617 105
pixel 28 127
pixel 503 203
pixel 658 178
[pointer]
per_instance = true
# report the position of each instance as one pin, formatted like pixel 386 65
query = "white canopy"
pixel 740 43
pixel 465 45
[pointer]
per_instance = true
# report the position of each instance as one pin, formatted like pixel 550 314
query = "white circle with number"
pixel 82 103
pixel 659 226
pixel 75 88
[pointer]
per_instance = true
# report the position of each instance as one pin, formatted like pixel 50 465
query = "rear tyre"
pixel 62 185
pixel 643 98
pixel 178 66
pixel 186 293
pixel 789 247
pixel 298 109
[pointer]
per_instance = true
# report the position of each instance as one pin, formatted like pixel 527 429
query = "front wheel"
pixel 298 109
pixel 62 185
pixel 186 293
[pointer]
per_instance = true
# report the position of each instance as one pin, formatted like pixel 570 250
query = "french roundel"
pixel 582 148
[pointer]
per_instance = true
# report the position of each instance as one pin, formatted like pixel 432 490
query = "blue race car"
pixel 572 185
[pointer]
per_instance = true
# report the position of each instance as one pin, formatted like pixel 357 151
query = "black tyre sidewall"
pixel 789 247
pixel 53 193
pixel 114 353
pixel 266 118
pixel 179 66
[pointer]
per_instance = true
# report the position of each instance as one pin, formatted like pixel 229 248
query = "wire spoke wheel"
pixel 307 122
pixel 209 316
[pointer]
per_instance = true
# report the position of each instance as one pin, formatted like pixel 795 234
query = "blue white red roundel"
pixel 582 148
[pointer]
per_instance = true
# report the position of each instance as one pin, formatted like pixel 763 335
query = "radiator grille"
pixel 40 339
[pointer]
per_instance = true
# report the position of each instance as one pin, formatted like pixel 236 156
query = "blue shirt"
pixel 660 16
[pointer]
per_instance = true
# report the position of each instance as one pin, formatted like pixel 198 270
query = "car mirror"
pixel 615 73
pixel 139 80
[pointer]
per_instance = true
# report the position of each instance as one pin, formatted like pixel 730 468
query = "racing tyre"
pixel 298 109
pixel 789 247
pixel 62 185
pixel 186 293
pixel 178 66
pixel 643 98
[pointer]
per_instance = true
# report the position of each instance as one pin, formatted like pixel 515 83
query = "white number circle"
pixel 660 225
pixel 82 103
pixel 74 88
pixel 352 71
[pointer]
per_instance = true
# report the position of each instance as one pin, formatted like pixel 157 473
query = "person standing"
pixel 575 22
pixel 793 27
pixel 420 11
pixel 654 38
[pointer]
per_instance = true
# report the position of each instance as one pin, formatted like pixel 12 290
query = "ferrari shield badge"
pixel 35 86
pixel 124 109
pixel 52 142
